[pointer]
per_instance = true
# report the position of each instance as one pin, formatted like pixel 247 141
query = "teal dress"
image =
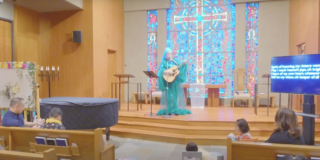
pixel 173 98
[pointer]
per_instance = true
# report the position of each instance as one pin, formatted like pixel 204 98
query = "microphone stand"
pixel 167 116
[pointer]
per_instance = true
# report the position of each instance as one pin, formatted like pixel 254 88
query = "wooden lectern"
pixel 128 76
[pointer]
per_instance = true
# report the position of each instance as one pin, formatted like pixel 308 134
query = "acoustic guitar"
pixel 175 70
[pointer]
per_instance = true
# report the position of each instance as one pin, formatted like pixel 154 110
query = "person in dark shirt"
pixel 54 120
pixel 288 130
pixel 14 116
pixel 191 147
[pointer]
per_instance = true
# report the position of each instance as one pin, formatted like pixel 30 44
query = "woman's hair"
pixel 243 125
pixel 192 147
pixel 286 120
pixel 55 112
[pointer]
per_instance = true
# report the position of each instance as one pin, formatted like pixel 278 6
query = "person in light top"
pixel 243 129
pixel 54 120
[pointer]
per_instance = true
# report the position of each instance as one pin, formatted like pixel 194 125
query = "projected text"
pixel 305 71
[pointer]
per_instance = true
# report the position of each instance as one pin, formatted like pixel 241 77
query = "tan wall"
pixel 108 34
pixel 304 28
pixel 136 56
pixel 253 1
pixel 273 40
pixel 142 5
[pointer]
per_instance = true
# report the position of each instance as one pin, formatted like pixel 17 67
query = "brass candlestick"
pixel 54 73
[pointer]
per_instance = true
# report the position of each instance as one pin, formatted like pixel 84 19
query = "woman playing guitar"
pixel 172 92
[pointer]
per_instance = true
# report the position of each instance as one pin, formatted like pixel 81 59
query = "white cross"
pixel 200 17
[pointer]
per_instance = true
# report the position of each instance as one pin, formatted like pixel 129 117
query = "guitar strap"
pixel 174 62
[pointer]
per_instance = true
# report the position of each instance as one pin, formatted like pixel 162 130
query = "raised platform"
pixel 206 126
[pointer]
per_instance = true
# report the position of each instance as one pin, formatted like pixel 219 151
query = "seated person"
pixel 191 147
pixel 54 120
pixel 14 116
pixel 288 130
pixel 243 129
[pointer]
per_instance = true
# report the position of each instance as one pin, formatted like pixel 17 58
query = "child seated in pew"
pixel 242 128
pixel 54 120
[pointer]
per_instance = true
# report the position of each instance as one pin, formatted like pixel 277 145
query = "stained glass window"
pixel 203 30
pixel 152 46
pixel 251 56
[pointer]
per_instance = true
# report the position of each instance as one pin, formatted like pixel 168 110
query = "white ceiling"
pixel 49 5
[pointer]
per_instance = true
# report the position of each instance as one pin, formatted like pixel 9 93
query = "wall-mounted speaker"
pixel 77 36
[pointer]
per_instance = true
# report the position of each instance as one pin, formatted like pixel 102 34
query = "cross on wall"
pixel 199 18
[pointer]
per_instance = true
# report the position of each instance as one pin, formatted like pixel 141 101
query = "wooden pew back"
pixel 267 151
pixel 14 155
pixel 90 143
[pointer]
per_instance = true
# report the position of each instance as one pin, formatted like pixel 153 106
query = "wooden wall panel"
pixel 75 59
pixel 304 28
pixel 5 41
pixel 108 34
pixel 86 69
pixel 26 34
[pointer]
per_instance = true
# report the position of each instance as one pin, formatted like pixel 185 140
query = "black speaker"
pixel 77 36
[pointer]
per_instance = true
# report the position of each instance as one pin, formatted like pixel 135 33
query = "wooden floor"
pixel 208 125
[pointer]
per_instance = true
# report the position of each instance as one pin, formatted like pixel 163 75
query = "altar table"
pixel 213 93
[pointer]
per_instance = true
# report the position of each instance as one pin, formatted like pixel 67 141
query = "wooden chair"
pixel 135 97
pixel 49 154
pixel 239 92
pixel 89 144
pixel 267 151
pixel 271 100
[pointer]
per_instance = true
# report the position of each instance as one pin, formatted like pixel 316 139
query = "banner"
pixel 17 80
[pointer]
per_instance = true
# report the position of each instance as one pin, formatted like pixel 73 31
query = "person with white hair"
pixel 173 98
pixel 14 116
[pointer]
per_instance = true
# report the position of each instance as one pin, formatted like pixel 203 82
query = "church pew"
pixel 267 151
pixel 49 154
pixel 90 144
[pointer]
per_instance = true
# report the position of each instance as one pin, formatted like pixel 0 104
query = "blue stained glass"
pixel 220 2
pixel 152 21
pixel 251 58
pixel 222 64
pixel 252 14
pixel 152 43
pixel 207 66
pixel 200 21
pixel 252 39
pixel 177 19
pixel 223 40
pixel 204 31
pixel 178 41
pixel 179 3
pixel 152 46
pixel 192 63
pixel 251 64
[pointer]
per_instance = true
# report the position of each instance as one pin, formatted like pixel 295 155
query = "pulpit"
pixel 120 82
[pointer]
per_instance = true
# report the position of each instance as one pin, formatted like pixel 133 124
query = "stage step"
pixel 189 130
pixel 190 122
pixel 184 130
pixel 176 138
